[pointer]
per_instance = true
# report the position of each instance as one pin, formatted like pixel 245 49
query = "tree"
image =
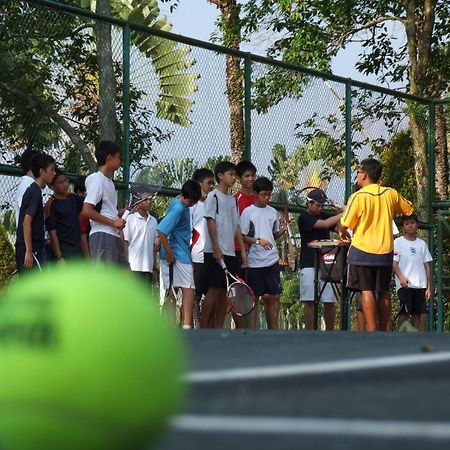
pixel 51 82
pixel 230 26
pixel 312 35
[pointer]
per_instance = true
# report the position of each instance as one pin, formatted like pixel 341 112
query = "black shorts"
pixel 239 270
pixel 214 274
pixel 264 280
pixel 412 301
pixel 369 278
pixel 200 281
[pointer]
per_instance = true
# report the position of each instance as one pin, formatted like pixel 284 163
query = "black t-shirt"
pixel 63 217
pixel 308 233
pixel 32 205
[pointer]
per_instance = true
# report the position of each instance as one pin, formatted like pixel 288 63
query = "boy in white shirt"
pixel 222 217
pixel 205 178
pixel 260 227
pixel 411 267
pixel 141 239
pixel 100 206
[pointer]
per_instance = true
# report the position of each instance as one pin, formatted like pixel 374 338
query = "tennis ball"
pixel 85 362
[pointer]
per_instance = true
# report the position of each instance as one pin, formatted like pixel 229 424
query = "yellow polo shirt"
pixel 369 214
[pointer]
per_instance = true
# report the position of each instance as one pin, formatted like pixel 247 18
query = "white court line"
pixel 312 426
pixel 288 370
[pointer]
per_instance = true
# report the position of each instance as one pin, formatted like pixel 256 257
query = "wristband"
pixel 59 257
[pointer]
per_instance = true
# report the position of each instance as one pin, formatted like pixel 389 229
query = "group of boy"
pixel 367 223
pixel 206 227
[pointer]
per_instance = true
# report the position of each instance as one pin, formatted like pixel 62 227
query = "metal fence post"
pixel 126 104
pixel 348 138
pixel 248 105
pixel 431 187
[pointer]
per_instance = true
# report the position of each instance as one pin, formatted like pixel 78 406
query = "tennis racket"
pixel 291 250
pixel 240 296
pixel 301 198
pixel 139 193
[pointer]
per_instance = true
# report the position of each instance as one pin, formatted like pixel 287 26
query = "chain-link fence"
pixel 170 102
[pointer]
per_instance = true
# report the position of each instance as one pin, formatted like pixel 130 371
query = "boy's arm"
pixel 330 222
pixel 84 241
pixel 217 252
pixel 27 221
pixel 396 269
pixel 165 243
pixel 54 244
pixel 90 212
pixel 238 236
pixel 428 290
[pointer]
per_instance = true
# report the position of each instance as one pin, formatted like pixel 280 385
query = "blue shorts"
pixel 264 280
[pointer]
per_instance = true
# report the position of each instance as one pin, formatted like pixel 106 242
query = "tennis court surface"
pixel 314 390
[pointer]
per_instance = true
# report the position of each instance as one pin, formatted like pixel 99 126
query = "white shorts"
pixel 183 275
pixel 307 287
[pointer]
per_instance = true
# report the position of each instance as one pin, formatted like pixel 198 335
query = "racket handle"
pixel 126 214
pixel 222 264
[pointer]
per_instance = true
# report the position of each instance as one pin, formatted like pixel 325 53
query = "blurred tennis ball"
pixel 85 362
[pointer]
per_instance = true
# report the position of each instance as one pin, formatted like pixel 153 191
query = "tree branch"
pixel 341 39
pixel 59 120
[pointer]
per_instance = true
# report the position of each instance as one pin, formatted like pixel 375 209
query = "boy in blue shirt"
pixel 174 233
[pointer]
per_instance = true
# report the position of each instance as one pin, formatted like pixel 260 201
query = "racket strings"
pixel 241 298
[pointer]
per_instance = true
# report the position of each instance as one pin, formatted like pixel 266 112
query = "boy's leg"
pixel 272 310
pixel 308 314
pixel 307 296
pixel 183 278
pixel 188 306
pixel 329 314
pixel 369 306
pixel 384 310
pixel 328 299
pixel 221 309
pixel 209 307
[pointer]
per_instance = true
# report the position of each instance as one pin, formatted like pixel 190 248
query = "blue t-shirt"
pixel 176 225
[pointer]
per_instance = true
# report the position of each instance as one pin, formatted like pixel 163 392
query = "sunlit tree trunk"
pixel 230 25
pixel 107 79
pixel 442 154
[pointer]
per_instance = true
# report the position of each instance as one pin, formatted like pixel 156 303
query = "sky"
pixel 196 19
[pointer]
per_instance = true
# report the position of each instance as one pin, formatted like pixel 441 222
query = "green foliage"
pixel 398 161
pixel 7 258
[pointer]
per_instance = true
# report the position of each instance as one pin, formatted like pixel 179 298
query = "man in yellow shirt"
pixel 370 214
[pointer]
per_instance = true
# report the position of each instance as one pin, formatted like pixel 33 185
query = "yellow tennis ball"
pixel 85 362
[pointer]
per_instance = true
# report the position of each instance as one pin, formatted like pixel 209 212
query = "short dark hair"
pixel 26 158
pixel 372 167
pixel 104 149
pixel 201 174
pixel 41 161
pixel 262 184
pixel 243 166
pixel 413 216
pixel 222 167
pixel 79 186
pixel 58 173
pixel 191 190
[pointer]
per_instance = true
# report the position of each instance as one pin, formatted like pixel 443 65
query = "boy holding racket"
pixel 140 238
pixel 205 178
pixel 314 224
pixel 412 271
pixel 100 206
pixel 260 227
pixel 222 216
pixel 370 213
pixel 30 234
pixel 174 233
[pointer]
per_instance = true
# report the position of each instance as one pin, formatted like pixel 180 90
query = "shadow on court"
pixel 315 390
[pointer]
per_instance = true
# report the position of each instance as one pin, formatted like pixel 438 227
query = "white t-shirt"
pixel 24 184
pixel 411 256
pixel 199 231
pixel 260 223
pixel 140 233
pixel 223 209
pixel 100 188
